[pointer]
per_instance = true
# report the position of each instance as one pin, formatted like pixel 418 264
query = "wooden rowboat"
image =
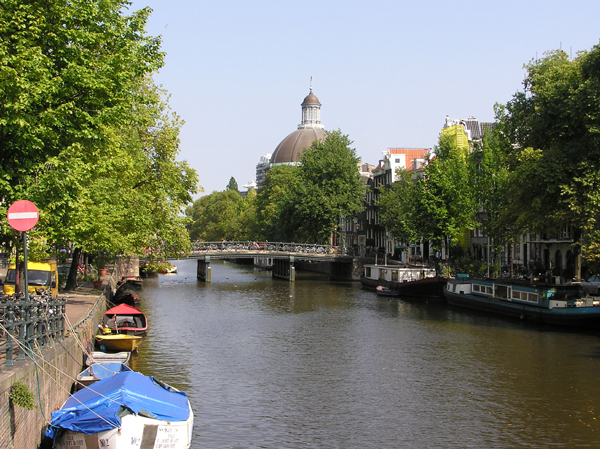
pixel 118 342
pixel 98 371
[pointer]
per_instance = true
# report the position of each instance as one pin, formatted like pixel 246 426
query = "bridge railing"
pixel 268 247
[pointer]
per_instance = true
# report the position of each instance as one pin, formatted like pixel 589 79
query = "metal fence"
pixel 298 248
pixel 27 323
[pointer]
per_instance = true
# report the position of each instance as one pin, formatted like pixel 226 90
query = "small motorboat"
pixel 124 319
pixel 136 281
pixel 118 342
pixel 126 294
pixel 384 291
pixel 108 357
pixel 98 371
pixel 124 410
pixel 168 269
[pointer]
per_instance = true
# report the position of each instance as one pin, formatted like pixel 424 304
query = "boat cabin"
pixel 396 273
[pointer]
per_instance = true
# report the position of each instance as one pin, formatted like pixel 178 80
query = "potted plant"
pixel 102 259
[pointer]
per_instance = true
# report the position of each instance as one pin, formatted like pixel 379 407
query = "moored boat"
pixel 384 291
pixel 126 294
pixel 118 342
pixel 168 268
pixel 136 281
pixel 124 319
pixel 98 371
pixel 108 357
pixel 409 281
pixel 563 305
pixel 124 410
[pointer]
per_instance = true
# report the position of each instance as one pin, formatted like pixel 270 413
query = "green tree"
pixel 396 207
pixel 275 204
pixel 84 132
pixel 249 227
pixel 215 216
pixel 233 185
pixel 553 126
pixel 329 187
pixel 443 202
pixel 490 178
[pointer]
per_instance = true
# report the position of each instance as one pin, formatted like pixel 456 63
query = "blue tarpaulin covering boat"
pixel 101 406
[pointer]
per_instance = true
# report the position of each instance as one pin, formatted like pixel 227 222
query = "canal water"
pixel 325 364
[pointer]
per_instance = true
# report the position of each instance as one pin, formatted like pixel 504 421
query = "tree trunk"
pixel 577 250
pixel 72 279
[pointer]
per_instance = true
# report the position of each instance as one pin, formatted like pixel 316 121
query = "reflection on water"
pixel 322 364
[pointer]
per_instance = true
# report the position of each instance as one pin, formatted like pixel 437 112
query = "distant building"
pixel 261 169
pixel 250 185
pixel 473 128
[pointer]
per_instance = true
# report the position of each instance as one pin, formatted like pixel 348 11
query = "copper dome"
pixel 290 149
pixel 311 99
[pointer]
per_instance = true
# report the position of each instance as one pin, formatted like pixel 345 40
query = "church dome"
pixel 290 149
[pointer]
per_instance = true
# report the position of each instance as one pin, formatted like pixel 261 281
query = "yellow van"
pixel 40 275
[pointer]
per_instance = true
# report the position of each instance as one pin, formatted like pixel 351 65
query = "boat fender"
pixel 104 330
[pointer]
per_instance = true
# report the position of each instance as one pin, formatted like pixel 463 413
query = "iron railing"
pixel 268 247
pixel 30 322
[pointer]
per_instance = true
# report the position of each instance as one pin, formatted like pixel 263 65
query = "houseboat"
pixel 410 281
pixel 563 305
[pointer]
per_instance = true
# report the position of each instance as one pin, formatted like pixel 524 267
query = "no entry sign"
pixel 22 215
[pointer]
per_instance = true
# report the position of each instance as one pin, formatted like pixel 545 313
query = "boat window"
pixel 476 287
pixel 368 272
pixel 525 296
pixel 502 291
pixel 382 274
pixel 394 275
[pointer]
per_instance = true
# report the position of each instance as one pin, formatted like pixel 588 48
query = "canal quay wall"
pixel 337 270
pixel 51 375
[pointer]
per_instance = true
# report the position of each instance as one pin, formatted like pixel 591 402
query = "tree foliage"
pixel 554 128
pixel 84 132
pixel 396 208
pixel 275 204
pixel 444 201
pixel 215 216
pixel 490 176
pixel 233 185
pixel 329 187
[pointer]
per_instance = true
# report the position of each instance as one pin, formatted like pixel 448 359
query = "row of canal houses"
pixel 550 255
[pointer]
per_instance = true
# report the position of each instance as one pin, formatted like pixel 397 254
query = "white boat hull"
pixel 135 430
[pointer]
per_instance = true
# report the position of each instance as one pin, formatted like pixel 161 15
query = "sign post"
pixel 23 215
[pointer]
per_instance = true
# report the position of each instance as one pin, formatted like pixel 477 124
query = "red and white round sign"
pixel 22 215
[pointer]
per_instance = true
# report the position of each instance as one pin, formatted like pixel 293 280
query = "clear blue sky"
pixel 386 72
